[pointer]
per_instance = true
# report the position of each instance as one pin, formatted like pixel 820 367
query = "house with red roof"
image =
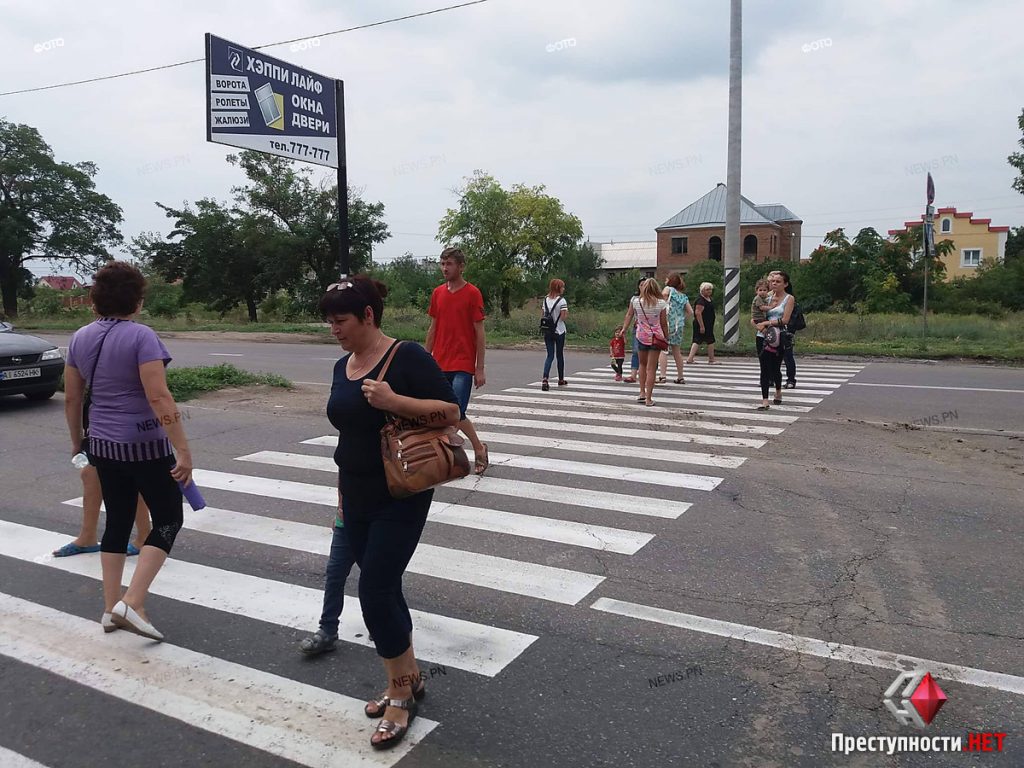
pixel 974 240
pixel 59 283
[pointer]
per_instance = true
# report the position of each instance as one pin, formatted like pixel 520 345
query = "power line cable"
pixel 256 48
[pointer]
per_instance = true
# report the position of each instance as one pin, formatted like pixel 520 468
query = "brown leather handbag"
pixel 417 459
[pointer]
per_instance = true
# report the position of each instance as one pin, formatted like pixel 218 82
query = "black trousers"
pixel 122 482
pixel 771 367
pixel 383 544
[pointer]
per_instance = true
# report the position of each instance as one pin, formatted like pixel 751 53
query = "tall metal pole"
pixel 344 239
pixel 732 196
pixel 929 243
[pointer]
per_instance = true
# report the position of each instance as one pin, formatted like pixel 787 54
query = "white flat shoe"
pixel 125 617
pixel 107 622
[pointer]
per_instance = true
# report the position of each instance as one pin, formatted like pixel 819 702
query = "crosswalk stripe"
pixel 643 434
pixel 676 395
pixel 517 577
pixel 585 468
pixel 9 759
pixel 528 526
pixel 753 365
pixel 606 449
pixel 587 411
pixel 462 644
pixel 546 529
pixel 806 396
pixel 742 374
pixel 265 711
pixel 590 414
pixel 595 398
pixel 328 495
pixel 591 390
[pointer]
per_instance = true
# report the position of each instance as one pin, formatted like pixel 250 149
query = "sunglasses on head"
pixel 340 286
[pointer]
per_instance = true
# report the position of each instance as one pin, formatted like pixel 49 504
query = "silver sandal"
pixel 395 731
pixel 418 692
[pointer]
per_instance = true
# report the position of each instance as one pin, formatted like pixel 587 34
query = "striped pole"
pixel 731 260
pixel 732 305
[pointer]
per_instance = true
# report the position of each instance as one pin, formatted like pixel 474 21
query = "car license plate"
pixel 22 373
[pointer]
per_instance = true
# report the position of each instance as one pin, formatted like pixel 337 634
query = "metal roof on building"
pixel 710 211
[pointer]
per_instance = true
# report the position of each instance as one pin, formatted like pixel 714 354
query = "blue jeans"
pixel 790 365
pixel 635 362
pixel 462 384
pixel 339 564
pixel 555 344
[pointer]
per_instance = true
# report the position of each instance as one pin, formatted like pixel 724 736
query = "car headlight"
pixel 52 354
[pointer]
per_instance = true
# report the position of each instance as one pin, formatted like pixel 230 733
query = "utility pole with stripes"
pixel 731 301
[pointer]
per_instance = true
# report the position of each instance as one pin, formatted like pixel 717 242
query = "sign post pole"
pixel 344 237
pixel 929 242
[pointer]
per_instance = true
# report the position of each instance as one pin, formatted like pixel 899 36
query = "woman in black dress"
pixel 704 324
pixel 382 531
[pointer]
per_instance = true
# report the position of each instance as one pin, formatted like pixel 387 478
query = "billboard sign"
pixel 257 102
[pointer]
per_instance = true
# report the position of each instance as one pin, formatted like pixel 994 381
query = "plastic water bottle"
pixel 80 460
pixel 192 495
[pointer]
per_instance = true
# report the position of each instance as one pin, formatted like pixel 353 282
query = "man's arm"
pixel 429 345
pixel 481 348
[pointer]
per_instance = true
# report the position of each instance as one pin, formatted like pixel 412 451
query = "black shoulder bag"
pixel 87 395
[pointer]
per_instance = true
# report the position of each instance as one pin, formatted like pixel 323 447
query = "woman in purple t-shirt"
pixel 133 424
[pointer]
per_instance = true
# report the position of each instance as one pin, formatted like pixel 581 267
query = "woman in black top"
pixel 704 324
pixel 382 531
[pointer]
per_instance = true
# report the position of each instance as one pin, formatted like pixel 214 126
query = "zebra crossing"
pixel 575 469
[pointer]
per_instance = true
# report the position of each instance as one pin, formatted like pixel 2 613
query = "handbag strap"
pixel 383 372
pixel 99 350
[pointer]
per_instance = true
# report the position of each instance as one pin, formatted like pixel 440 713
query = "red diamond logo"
pixel 928 698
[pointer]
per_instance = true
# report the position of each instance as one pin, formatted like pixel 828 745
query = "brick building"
pixel 697 233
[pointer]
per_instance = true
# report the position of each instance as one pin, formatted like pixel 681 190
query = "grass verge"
pixel 186 383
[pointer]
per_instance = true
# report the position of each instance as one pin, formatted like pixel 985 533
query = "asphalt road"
pixel 685 636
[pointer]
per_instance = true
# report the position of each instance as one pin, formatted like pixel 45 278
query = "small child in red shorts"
pixel 617 350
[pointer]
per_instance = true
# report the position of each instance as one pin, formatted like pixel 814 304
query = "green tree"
pixel 410 281
pixel 225 257
pixel 308 212
pixel 48 209
pixel 1015 245
pixel 1016 160
pixel 580 267
pixel 509 236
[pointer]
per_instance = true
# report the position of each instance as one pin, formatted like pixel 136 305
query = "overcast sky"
pixel 619 107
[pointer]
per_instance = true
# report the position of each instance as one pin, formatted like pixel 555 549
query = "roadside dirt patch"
pixel 301 400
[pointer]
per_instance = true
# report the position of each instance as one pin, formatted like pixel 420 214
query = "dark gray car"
pixel 29 365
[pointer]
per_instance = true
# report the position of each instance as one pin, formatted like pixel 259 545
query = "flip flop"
pixel 71 548
pixel 480 462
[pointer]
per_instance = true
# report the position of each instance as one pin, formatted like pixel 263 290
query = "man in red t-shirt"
pixel 456 339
